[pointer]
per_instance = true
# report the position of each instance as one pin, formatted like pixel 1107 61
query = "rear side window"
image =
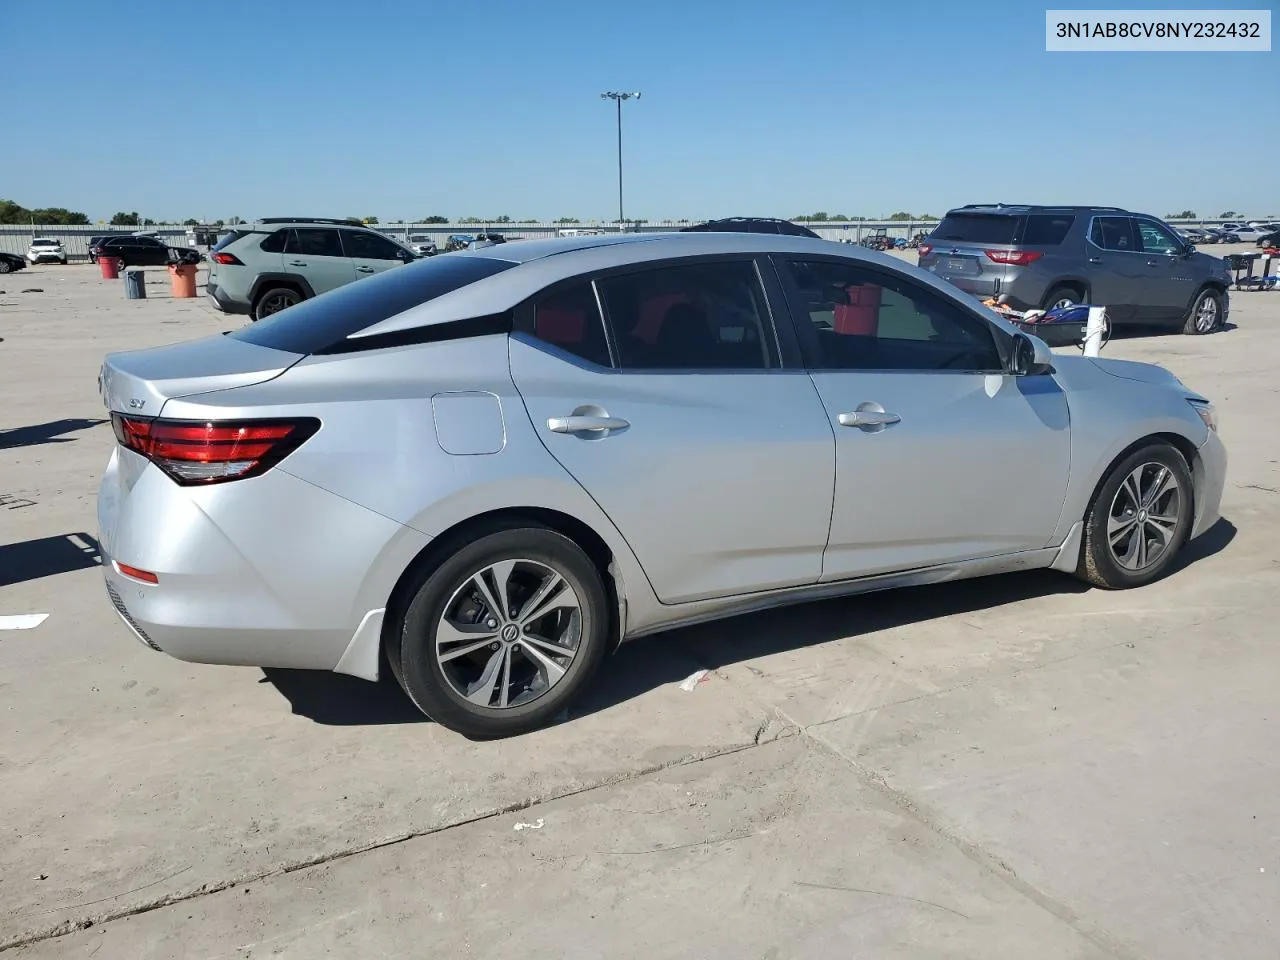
pixel 704 316
pixel 978 228
pixel 324 321
pixel 1047 229
pixel 276 242
pixel 570 319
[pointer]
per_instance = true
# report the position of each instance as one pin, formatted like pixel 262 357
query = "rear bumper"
pixel 225 302
pixel 276 573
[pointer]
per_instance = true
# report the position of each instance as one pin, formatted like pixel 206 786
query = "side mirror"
pixel 406 256
pixel 1030 356
pixel 1189 249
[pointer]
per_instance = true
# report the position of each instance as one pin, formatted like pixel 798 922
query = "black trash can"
pixel 135 284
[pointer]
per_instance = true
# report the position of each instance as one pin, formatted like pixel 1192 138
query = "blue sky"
pixel 402 110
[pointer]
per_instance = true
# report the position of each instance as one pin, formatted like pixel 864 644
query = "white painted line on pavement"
pixel 23 621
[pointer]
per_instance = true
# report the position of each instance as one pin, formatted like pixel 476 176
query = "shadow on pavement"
pixel 335 699
pixel 650 662
pixel 33 559
pixel 51 432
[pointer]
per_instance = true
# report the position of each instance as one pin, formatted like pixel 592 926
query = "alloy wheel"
pixel 276 303
pixel 1206 314
pixel 509 633
pixel 1144 516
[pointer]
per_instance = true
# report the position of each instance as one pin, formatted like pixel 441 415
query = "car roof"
pixel 273 223
pixel 540 263
pixel 1017 208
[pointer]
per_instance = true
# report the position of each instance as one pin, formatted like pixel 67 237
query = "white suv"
pixel 48 249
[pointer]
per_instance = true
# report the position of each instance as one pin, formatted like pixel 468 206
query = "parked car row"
pixel 1261 234
pixel 1044 257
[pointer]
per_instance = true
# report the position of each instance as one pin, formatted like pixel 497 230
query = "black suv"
pixel 1135 265
pixel 140 251
pixel 751 225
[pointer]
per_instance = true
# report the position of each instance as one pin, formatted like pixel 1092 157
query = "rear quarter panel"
pixel 380 444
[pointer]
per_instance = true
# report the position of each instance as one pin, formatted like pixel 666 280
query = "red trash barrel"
pixel 110 267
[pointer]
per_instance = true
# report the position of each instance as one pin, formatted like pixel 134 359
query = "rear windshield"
pixel 326 320
pixel 978 228
pixel 231 238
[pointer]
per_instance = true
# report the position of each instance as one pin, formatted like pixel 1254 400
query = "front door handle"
pixel 297 263
pixel 585 424
pixel 1095 259
pixel 364 269
pixel 867 418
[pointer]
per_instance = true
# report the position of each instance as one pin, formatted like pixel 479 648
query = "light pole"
pixel 617 98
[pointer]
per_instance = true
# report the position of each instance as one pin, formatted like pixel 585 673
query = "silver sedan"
pixel 483 471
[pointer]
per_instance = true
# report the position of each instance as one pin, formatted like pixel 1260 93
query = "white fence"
pixel 15 238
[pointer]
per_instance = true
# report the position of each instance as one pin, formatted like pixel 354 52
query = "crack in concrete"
pixel 83 923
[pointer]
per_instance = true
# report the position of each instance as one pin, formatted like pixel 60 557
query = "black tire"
pixel 413 649
pixel 1197 321
pixel 274 300
pixel 63 261
pixel 4 266
pixel 1062 292
pixel 1099 564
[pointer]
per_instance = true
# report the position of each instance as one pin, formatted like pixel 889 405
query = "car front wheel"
pixel 1205 314
pixel 1139 519
pixel 502 636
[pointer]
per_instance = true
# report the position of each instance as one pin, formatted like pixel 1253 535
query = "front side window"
pixel 1112 233
pixel 702 316
pixel 859 319
pixel 570 319
pixel 1154 238
pixel 363 245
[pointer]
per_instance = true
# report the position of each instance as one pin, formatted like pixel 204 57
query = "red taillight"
pixel 926 249
pixel 146 576
pixel 229 259
pixel 199 453
pixel 1019 258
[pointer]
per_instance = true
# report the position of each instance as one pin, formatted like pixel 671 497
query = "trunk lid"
pixel 141 381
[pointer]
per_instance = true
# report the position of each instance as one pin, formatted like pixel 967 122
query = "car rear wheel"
pixel 4 266
pixel 1205 314
pixel 503 635
pixel 275 300
pixel 1062 297
pixel 1139 519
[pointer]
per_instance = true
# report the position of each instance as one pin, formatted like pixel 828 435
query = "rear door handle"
pixel 585 424
pixel 867 418
pixel 364 269
pixel 297 263
pixel 1095 259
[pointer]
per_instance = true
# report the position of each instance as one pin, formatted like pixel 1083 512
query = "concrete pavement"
pixel 1005 767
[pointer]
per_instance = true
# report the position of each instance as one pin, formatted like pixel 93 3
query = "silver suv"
pixel 265 267
pixel 1041 257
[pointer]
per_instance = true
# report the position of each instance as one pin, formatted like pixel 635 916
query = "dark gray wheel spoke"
pixel 547 666
pixel 1159 487
pixel 1120 527
pixel 481 692
pixel 550 596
